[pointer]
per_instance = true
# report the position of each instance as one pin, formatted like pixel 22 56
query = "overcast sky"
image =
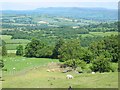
pixel 33 4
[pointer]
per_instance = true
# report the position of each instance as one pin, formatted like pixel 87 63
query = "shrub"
pixel 101 64
pixel 1 64
pixel 114 67
pixel 19 50
pixel 4 50
pixel 79 69
pixel 74 63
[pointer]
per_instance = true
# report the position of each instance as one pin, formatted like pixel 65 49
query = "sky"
pixel 33 4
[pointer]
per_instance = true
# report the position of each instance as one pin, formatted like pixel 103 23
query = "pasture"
pixel 92 34
pixel 11 44
pixel 32 73
pixel 23 63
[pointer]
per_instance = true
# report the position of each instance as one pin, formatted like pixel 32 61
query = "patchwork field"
pixel 11 44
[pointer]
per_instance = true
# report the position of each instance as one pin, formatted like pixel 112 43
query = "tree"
pixel 86 55
pixel 4 50
pixel 108 46
pixel 75 63
pixel 45 52
pixel 32 48
pixel 2 42
pixel 1 64
pixel 70 50
pixel 101 64
pixel 57 46
pixel 19 50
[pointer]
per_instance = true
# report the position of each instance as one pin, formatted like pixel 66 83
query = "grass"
pixel 11 51
pixel 22 63
pixel 103 34
pixel 17 41
pixel 92 34
pixel 39 78
pixel 26 75
pixel 5 37
pixel 11 44
pixel 14 46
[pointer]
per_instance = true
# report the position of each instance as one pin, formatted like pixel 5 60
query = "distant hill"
pixel 74 12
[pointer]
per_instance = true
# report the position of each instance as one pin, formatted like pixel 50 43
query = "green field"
pixel 5 37
pixel 92 34
pixel 32 73
pixel 14 46
pixel 103 33
pixel 11 44
pixel 22 63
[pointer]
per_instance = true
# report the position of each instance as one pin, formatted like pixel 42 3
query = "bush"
pixel 79 69
pixel 4 50
pixel 114 67
pixel 74 63
pixel 19 50
pixel 1 64
pixel 101 64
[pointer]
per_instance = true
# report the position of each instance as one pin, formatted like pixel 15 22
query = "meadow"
pixel 11 44
pixel 93 34
pixel 32 73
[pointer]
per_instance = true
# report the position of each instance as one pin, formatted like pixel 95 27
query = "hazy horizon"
pixel 35 5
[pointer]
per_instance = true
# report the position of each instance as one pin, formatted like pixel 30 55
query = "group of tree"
pixel 100 53
pixel 39 31
pixel 107 47
pixel 38 49
pixel 104 52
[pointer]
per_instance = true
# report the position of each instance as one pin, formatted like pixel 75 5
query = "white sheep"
pixel 53 70
pixel 93 72
pixel 69 76
pixel 48 70
pixel 14 68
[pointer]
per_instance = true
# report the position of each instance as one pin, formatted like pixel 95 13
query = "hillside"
pixel 101 14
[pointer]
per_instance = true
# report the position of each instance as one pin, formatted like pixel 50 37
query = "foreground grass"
pixel 39 78
pixel 32 73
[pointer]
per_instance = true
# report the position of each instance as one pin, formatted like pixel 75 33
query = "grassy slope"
pixel 26 75
pixel 21 63
pixel 42 79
